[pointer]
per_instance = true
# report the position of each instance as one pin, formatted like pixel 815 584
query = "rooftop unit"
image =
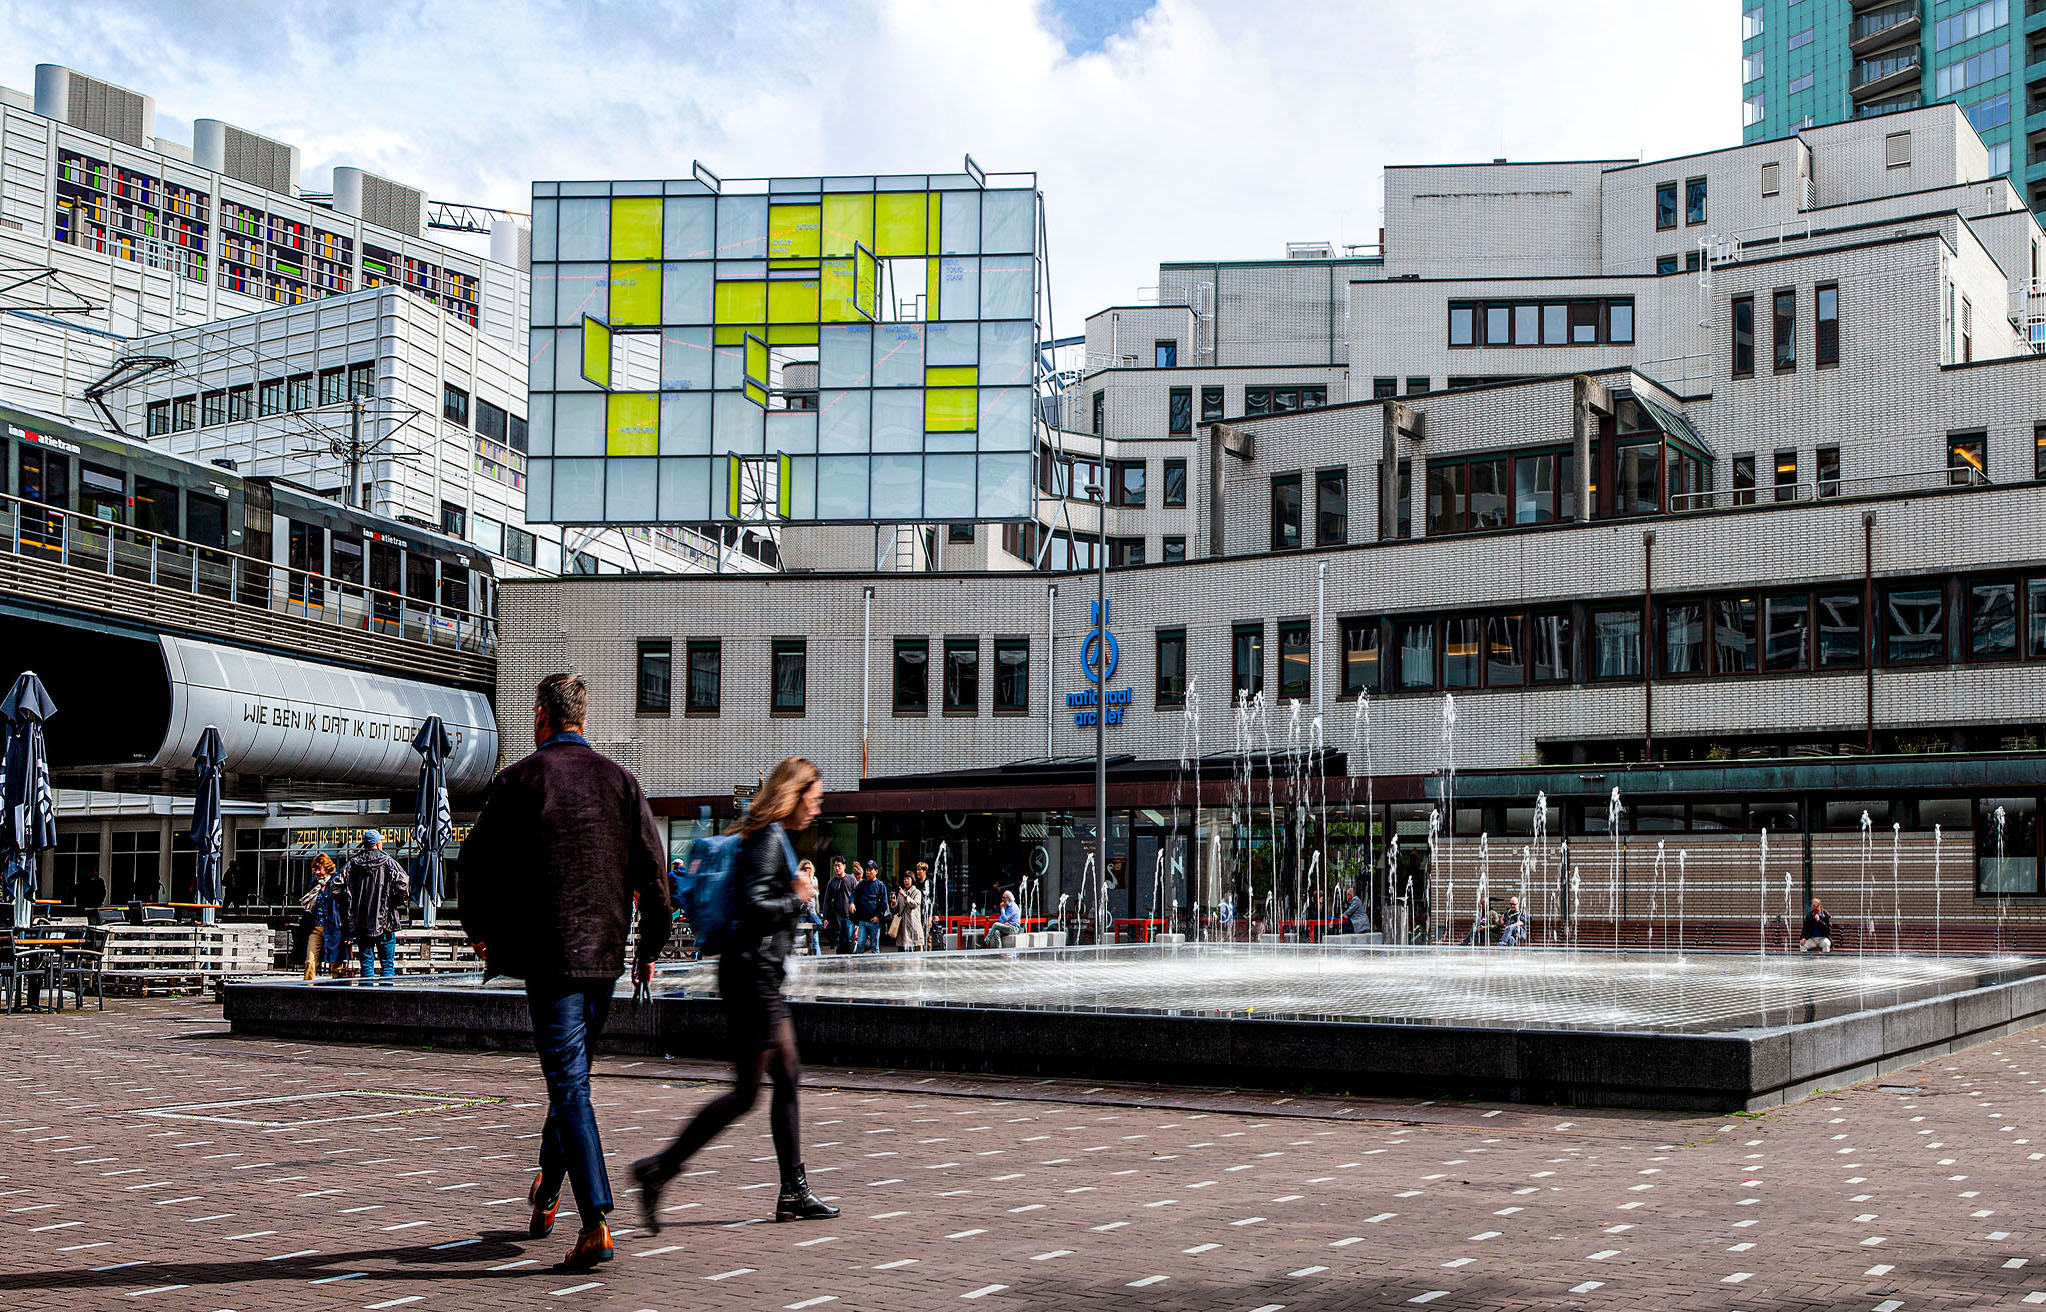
pixel 1310 250
pixel 379 200
pixel 94 106
pixel 245 155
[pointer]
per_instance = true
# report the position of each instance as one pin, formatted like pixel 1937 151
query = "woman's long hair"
pixel 779 796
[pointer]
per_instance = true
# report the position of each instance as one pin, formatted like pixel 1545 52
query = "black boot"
pixel 651 1175
pixel 797 1203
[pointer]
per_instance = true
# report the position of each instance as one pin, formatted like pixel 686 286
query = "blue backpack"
pixel 706 891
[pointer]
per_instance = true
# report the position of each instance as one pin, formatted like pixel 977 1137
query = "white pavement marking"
pixel 984 1291
pixel 1201 1248
pixel 811 1302
pixel 574 1289
pixel 727 1275
pixel 656 1252
pixel 394 1302
pixel 1147 1280
pixel 1428 1297
pixel 1587 1286
pixel 897 1263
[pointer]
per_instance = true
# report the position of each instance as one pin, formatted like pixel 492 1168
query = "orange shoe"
pixel 542 1223
pixel 592 1248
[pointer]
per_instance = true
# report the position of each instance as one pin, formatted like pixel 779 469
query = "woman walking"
pixel 769 892
pixel 909 916
pixel 327 944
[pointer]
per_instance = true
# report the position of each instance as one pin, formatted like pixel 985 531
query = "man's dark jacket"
pixel 549 871
pixel 374 887
pixel 870 899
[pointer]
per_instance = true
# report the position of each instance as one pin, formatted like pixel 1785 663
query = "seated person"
pixel 1355 919
pixel 1817 935
pixel 1513 931
pixel 1008 924
pixel 1484 930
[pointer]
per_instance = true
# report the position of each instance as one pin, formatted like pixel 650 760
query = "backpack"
pixel 706 891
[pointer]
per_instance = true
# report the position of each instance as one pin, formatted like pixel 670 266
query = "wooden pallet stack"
pixel 176 958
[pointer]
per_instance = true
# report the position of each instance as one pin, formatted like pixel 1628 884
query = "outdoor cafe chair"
pixel 19 966
pixel 85 962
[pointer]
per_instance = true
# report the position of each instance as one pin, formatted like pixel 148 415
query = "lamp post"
pixel 1096 494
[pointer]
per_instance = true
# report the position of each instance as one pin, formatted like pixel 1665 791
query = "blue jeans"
pixel 809 934
pixel 568 1016
pixel 869 936
pixel 379 956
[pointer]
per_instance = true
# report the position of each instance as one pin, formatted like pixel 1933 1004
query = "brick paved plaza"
pixel 154 1162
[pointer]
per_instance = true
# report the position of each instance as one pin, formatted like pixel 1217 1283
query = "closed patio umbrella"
pixel 434 829
pixel 209 757
pixel 28 811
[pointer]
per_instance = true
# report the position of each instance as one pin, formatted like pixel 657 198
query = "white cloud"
pixel 1207 129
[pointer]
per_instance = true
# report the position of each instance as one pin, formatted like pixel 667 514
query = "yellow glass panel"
pixel 632 424
pixel 901 223
pixel 783 489
pixel 956 375
pixel 808 266
pixel 867 283
pixel 740 300
pixel 933 270
pixel 756 360
pixel 730 335
pixel 636 228
pixel 596 352
pixel 758 396
pixel 951 409
pixel 836 303
pixel 735 475
pixel 792 231
pixel 848 221
pixel 792 334
pixel 791 300
pixel 636 294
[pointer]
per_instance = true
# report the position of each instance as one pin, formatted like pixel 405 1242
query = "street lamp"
pixel 1097 494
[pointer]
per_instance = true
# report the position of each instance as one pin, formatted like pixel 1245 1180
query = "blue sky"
pixel 1181 129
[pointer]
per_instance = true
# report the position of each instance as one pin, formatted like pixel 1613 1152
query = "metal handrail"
pixel 1866 485
pixel 1881 20
pixel 89 543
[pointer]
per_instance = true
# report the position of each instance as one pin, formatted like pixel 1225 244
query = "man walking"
pixel 564 844
pixel 374 886
pixel 870 908
pixel 838 906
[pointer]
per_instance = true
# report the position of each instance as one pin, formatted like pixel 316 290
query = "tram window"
pixel 45 477
pixel 347 559
pixel 156 506
pixel 418 576
pixel 102 492
pixel 454 589
pixel 206 519
pixel 303 549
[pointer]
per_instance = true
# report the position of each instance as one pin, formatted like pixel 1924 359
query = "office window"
pixel 1967 459
pixel 579 562
pixel 1179 410
pixel 1488 493
pixel 656 663
pixel 1999 158
pixel 212 408
pixel 1799 40
pixel 1012 675
pixel 1616 643
pixel 1381 388
pixel 1733 635
pixel 1786 632
pixel 1211 403
pixel 1744 480
pixel 959 533
pixel 492 421
pixel 1417 384
pixel 1296 660
pixel 1553 647
pixel 1683 638
pixel 1285 512
pixel 962 674
pixel 333 386
pixel 1416 639
pixel 1694 200
pixel 1783 331
pixel 1751 23
pixel 1169 678
pixel 1970 23
pixel 1753 110
pixel 1991 112
pixel 1663 264
pixel 706 675
pixel 1826 324
pixel 2035 618
pixel 1967 330
pixel 1534 488
pixel 1446 496
pixel 454 405
pixel 1247 659
pixel 1331 507
pixel 2039 451
pixel 1802 82
pixel 1463 328
pixel 298 392
pixel 1786 475
pixel 159 421
pixel 1100 412
pixel 362 380
pixel 1403 509
pixel 518 545
pixel 1665 206
pixel 1360 657
pixel 1172 549
pixel 1753 64
pixel 1829 471
pixel 1257 400
pixel 240 402
pixel 1175 483
pixel 1505 651
pixel 1125 551
pixel 1694 260
pixel 454 521
pixel 913 675
pixel 1914 624
pixel 790 694
pixel 1126 483
pixel 270 397
pixel 1165 355
pixel 1993 620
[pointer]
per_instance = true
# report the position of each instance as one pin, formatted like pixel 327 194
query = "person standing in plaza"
pixel 838 906
pixel 870 907
pixel 768 893
pixel 909 916
pixel 327 941
pixel 374 887
pixel 809 921
pixel 564 845
pixel 927 900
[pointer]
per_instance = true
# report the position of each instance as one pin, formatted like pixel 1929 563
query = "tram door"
pixel 257 541
pixel 386 579
pixel 305 553
pixel 44 476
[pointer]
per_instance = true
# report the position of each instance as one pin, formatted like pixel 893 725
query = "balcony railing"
pixel 1869 485
pixel 97 546
pixel 1876 22
pixel 1870 71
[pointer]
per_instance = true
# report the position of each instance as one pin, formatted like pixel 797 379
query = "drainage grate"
pixel 291 1110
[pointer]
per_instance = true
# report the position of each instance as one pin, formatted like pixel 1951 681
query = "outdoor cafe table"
pixel 52 947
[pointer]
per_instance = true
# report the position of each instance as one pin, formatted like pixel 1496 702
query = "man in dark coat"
pixel 374 888
pixel 838 905
pixel 564 846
